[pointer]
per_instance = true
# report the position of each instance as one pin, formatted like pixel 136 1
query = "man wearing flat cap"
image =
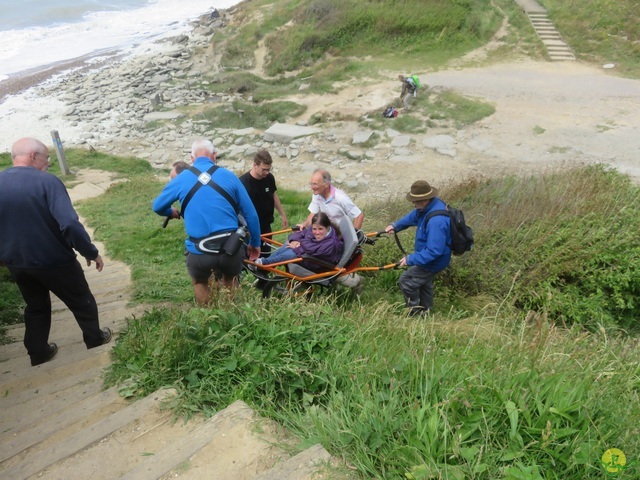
pixel 432 253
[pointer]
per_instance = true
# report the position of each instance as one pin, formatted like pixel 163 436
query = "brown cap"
pixel 421 190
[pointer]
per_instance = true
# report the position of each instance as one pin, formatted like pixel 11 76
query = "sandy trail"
pixel 547 115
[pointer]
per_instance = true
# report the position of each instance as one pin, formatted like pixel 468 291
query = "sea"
pixel 35 34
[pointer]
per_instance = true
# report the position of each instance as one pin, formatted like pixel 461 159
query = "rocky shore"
pixel 135 106
pixel 142 106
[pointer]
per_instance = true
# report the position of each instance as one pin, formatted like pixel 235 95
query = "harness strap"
pixel 195 187
pixel 207 179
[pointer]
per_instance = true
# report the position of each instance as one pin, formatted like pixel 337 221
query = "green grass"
pixel 461 110
pixel 600 31
pixel 560 244
pixel 326 35
pixel 528 368
pixel 11 303
pixel 476 397
pixel 431 108
pixel 414 27
pixel 242 115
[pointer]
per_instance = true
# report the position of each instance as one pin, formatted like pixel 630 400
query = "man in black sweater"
pixel 40 229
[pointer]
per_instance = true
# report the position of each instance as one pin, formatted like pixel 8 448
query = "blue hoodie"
pixel 431 250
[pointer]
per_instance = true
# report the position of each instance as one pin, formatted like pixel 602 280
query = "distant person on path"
pixel 410 85
pixel 337 205
pixel 432 253
pixel 261 187
pixel 320 240
pixel 212 198
pixel 40 230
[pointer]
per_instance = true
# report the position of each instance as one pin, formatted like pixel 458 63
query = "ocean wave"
pixel 23 49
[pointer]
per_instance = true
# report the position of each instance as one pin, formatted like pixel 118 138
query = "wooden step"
pixel 64 364
pixel 69 418
pixel 46 391
pixel 217 445
pixel 303 466
pixel 36 462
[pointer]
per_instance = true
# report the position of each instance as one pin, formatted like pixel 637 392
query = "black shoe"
pixel 39 360
pixel 106 337
pixel 419 312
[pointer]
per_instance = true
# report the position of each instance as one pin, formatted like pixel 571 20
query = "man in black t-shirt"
pixel 261 186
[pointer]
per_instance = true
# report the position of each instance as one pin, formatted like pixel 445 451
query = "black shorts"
pixel 202 266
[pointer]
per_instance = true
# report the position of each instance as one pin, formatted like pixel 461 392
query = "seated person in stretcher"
pixel 321 241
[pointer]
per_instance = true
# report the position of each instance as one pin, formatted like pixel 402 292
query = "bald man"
pixel 40 231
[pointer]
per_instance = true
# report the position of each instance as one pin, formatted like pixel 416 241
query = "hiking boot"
pixel 106 337
pixel 40 359
pixel 359 287
pixel 420 312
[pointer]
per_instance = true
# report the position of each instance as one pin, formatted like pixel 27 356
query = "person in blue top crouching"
pixel 432 253
pixel 209 213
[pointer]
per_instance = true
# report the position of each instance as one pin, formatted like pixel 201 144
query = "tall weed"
pixel 561 243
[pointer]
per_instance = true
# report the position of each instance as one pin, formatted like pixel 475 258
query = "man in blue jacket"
pixel 40 231
pixel 431 252
pixel 210 212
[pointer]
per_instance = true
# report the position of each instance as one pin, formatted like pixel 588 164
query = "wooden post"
pixel 62 159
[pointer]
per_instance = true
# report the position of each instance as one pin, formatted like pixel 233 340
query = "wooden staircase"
pixel 58 422
pixel 557 48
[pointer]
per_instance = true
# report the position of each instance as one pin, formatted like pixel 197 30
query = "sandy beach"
pixel 548 115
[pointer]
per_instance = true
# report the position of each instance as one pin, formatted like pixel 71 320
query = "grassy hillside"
pixel 601 31
pixel 338 39
pixel 345 38
pixel 524 371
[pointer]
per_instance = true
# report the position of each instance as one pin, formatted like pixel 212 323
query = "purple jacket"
pixel 328 249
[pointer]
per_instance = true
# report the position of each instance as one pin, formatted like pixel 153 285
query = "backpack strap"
pixel 444 213
pixel 435 213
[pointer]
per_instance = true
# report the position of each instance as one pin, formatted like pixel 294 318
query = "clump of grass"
pixel 261 89
pixel 449 105
pixel 242 115
pixel 11 303
pixel 443 106
pixel 405 122
pixel 561 243
pixel 124 166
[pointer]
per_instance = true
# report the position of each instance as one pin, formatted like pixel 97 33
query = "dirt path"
pixel 547 115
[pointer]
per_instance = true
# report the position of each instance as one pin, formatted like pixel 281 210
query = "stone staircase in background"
pixel 58 422
pixel 557 48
